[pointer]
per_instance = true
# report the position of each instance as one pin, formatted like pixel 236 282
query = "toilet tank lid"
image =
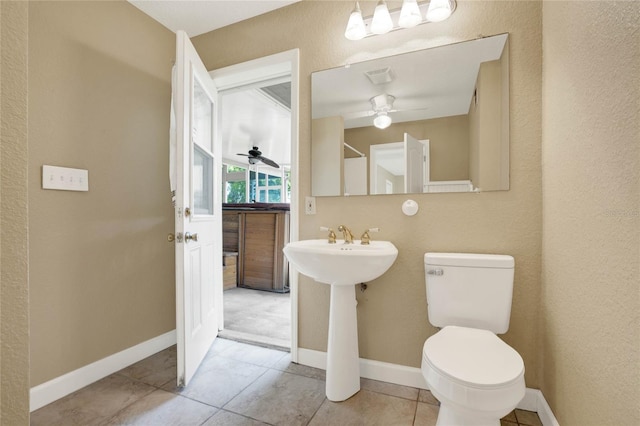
pixel 470 260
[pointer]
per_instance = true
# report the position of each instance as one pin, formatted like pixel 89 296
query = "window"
pixel 264 185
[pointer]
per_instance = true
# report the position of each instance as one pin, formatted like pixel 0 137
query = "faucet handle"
pixel 332 235
pixel 366 238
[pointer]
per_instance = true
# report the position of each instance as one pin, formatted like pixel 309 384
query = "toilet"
pixel 477 377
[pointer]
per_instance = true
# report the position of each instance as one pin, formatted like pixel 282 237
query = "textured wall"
pixel 14 274
pixel 392 313
pixel 591 217
pixel 102 274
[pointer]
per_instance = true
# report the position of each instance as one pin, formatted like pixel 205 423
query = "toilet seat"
pixel 473 358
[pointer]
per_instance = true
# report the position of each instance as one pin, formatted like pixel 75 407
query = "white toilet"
pixel 477 377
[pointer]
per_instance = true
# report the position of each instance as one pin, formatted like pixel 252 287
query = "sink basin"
pixel 340 263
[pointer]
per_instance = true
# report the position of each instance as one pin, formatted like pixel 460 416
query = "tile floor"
pixel 256 316
pixel 240 384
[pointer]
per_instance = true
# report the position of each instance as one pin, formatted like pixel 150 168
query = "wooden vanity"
pixel 258 232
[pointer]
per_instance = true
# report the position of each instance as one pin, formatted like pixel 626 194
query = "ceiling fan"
pixel 255 155
pixel 381 107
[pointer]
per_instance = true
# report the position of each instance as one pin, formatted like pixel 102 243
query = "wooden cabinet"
pixel 258 237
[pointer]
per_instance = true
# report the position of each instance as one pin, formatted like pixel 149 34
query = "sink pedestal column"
pixel 343 360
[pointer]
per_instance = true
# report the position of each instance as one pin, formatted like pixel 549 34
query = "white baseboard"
pixel 410 376
pixel 59 387
pixel 370 369
pixel 542 408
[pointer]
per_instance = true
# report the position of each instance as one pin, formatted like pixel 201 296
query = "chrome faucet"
pixel 348 236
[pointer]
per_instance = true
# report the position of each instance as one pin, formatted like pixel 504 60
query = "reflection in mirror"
pixel 449 112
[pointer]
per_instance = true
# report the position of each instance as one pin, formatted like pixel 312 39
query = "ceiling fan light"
pixel 382 120
pixel 355 27
pixel 438 10
pixel 410 15
pixel 381 22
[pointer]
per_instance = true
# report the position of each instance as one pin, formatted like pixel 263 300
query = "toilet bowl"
pixel 477 378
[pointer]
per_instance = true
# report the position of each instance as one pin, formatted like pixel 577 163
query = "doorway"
pixel 260 193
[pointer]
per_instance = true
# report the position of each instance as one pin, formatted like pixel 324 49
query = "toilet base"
pixel 448 416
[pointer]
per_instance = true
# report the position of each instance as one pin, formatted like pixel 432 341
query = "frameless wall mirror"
pixel 434 120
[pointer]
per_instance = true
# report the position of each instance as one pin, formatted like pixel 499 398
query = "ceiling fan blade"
pixel 408 110
pixel 268 162
pixel 357 114
pixel 246 155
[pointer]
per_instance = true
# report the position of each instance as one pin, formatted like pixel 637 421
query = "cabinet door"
pixel 259 250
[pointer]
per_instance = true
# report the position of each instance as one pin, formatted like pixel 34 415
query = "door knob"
pixel 190 237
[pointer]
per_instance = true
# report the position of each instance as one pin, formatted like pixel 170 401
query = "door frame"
pixel 251 72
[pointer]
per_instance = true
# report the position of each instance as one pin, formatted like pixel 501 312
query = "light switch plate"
pixel 65 178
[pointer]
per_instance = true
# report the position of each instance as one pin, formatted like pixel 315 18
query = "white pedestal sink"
pixel 342 266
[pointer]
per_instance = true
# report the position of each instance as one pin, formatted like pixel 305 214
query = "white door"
pixel 414 164
pixel 198 209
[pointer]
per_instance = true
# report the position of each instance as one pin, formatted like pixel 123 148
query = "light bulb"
pixel 381 22
pixel 382 121
pixel 410 14
pixel 355 27
pixel 439 10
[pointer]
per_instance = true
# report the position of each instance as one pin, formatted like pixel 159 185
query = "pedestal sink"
pixel 342 266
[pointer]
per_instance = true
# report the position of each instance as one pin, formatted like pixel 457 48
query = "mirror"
pixel 434 120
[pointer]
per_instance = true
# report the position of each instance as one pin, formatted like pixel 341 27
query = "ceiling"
pixel 259 117
pixel 197 17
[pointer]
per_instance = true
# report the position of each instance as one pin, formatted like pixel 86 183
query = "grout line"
pixel 133 402
pixel 245 416
pixel 210 417
pixel 244 388
pixel 415 413
pixel 317 409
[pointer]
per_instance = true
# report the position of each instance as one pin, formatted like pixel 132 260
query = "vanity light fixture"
pixel 439 10
pixel 355 27
pixel 381 22
pixel 410 15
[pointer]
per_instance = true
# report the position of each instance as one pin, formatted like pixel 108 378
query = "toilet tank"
pixel 469 290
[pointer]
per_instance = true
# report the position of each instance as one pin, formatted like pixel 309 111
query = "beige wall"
pixel 392 314
pixel 448 143
pixel 101 271
pixel 591 217
pixel 14 274
pixel 328 154
pixel 485 118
